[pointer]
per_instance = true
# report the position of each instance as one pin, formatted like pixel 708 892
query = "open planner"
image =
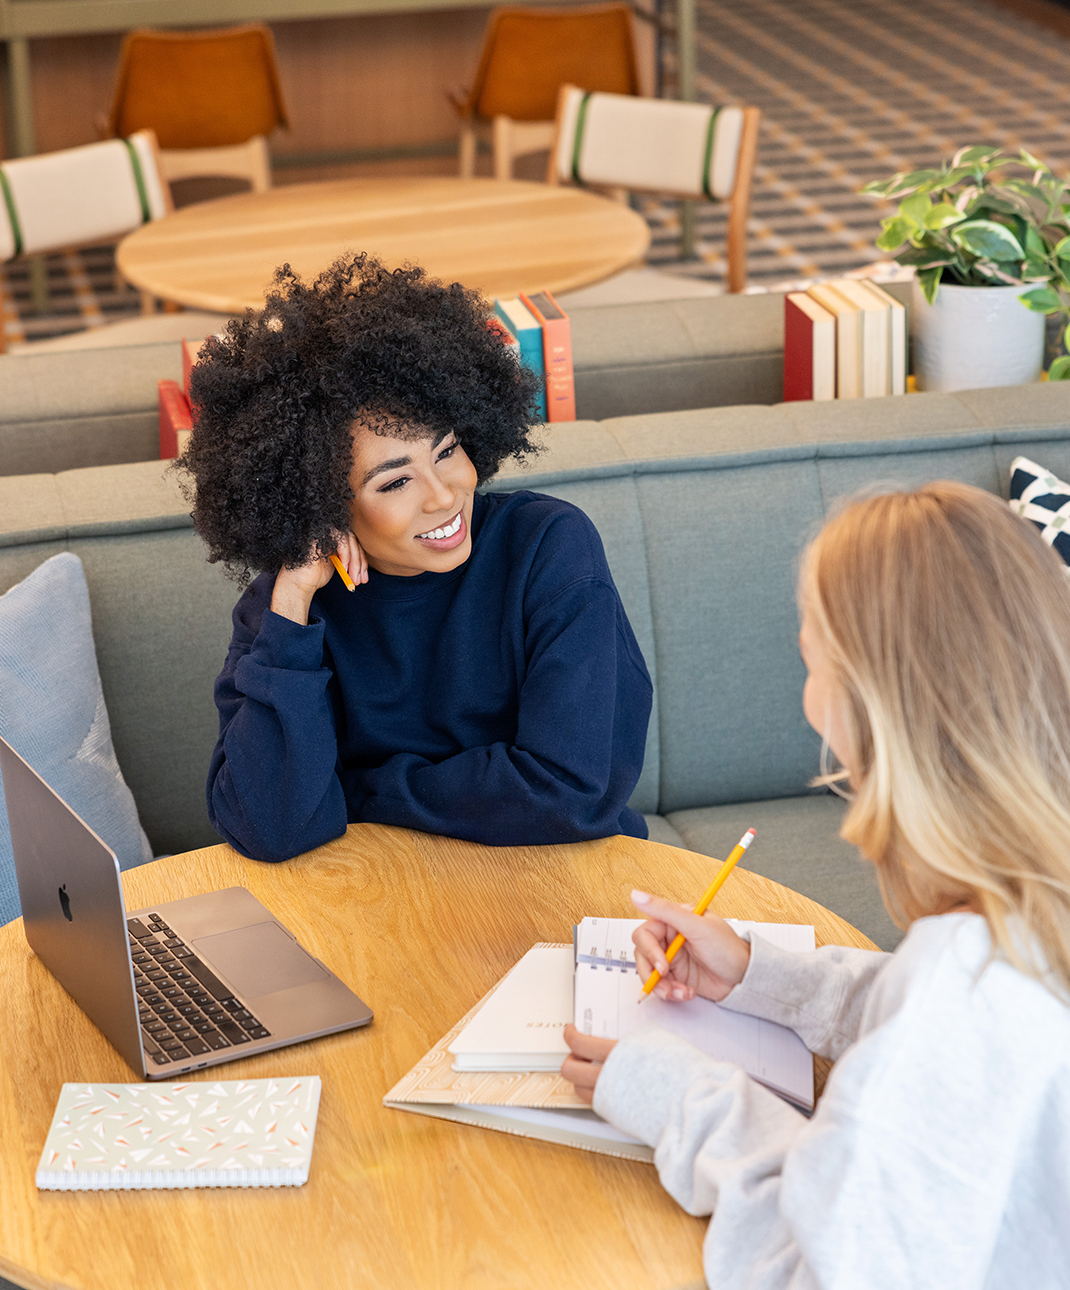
pixel 499 1066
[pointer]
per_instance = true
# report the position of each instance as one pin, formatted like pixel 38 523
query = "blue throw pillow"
pixel 1037 495
pixel 52 713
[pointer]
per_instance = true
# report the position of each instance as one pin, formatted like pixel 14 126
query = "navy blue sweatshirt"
pixel 505 702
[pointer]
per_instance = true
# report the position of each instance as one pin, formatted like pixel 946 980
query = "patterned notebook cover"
pixel 231 1133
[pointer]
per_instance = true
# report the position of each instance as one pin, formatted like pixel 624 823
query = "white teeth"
pixel 448 531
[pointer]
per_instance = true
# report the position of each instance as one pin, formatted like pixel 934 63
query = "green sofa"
pixel 703 515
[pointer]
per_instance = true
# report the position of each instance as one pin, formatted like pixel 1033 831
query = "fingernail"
pixel 640 898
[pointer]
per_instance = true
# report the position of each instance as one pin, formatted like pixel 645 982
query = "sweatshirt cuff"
pixel 281 642
pixel 645 1079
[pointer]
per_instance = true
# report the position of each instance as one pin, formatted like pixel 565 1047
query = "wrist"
pixel 290 600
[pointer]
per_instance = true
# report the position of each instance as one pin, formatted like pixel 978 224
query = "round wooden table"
pixel 500 237
pixel 421 927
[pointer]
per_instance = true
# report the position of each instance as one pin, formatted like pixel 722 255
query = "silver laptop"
pixel 175 986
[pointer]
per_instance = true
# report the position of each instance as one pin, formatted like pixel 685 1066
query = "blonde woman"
pixel 936 634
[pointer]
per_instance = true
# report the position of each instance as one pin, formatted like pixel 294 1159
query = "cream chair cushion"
pixel 656 145
pixel 79 195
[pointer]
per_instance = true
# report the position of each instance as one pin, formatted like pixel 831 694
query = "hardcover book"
pixel 557 352
pixel 176 422
pixel 809 349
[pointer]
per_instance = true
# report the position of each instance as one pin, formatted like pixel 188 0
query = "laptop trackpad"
pixel 259 960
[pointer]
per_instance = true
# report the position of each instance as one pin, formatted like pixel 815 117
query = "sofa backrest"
pixel 703 515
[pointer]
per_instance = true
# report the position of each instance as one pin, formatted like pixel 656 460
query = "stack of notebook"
pixel 844 339
pixel 499 1066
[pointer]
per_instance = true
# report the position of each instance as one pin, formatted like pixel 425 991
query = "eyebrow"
pixel 395 462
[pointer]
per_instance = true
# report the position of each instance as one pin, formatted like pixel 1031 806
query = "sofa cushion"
pixel 1037 495
pixel 53 714
pixel 797 845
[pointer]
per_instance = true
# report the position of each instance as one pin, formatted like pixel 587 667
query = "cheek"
pixel 382 519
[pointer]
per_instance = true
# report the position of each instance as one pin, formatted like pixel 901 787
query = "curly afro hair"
pixel 276 395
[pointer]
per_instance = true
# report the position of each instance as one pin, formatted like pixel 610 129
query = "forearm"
pixel 820 995
pixel 273 788
pixel 720 1141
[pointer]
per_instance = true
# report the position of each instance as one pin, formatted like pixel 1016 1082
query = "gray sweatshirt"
pixel 939 1155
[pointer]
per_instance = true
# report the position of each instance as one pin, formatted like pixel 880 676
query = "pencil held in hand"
pixel 342 573
pixel 704 904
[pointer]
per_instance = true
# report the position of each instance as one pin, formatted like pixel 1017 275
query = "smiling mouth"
pixel 447 531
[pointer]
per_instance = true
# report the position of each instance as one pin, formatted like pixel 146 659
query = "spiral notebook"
pixel 224 1133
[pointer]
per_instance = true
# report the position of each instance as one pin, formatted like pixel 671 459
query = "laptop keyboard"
pixel 185 1010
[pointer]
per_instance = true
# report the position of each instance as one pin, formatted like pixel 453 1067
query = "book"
pixel 176 420
pixel 495 324
pixel 897 337
pixel 874 344
pixel 557 353
pixel 528 332
pixel 610 1004
pixel 520 1026
pixel 538 1102
pixel 225 1133
pixel 848 339
pixel 809 349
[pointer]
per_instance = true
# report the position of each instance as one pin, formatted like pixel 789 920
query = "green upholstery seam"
pixel 577 138
pixel 708 156
pixel 12 214
pixel 139 179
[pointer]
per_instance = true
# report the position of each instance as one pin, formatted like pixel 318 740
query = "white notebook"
pixel 609 1003
pixel 226 1133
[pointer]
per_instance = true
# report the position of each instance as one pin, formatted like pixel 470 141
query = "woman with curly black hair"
pixel 480 679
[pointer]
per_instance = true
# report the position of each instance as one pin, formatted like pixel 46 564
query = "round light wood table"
pixel 500 237
pixel 421 927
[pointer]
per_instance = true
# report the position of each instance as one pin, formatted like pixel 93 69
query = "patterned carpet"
pixel 850 90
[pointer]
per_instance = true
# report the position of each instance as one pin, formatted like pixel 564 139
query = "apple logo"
pixel 65 901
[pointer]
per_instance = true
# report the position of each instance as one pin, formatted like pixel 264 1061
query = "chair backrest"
pixel 198 89
pixel 80 195
pixel 529 53
pixel 646 145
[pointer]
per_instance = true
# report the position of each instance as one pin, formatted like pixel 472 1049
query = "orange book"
pixel 176 424
pixel 557 350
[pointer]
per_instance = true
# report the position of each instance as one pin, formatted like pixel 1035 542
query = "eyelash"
pixel 395 484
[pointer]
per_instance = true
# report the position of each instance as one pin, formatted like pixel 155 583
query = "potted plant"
pixel 987 233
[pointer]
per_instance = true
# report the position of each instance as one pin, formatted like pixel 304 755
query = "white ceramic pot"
pixel 975 337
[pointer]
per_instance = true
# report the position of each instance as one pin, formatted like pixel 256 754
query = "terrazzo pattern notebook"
pixel 230 1133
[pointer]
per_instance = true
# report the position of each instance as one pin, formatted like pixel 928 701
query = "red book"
pixel 557 351
pixel 176 423
pixel 507 338
pixel 809 349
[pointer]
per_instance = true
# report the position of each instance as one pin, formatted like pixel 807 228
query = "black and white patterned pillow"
pixel 1037 495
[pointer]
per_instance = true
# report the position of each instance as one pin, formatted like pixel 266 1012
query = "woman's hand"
pixel 583 1068
pixel 710 962
pixel 294 588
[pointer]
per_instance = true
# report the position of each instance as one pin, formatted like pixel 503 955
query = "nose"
pixel 440 495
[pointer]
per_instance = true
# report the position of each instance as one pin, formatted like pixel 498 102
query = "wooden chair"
pixel 212 97
pixel 687 150
pixel 80 196
pixel 527 55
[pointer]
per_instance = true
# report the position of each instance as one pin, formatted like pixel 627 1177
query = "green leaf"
pixel 1034 243
pixel 896 232
pixel 1034 269
pixel 903 183
pixel 942 215
pixel 878 187
pixel 1061 249
pixel 923 257
pixel 987 239
pixel 979 152
pixel 1029 160
pixel 1042 300
pixel 929 280
pixel 988 201
pixel 1060 369
pixel 916 207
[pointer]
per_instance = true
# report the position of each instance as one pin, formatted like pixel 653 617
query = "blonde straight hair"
pixel 946 621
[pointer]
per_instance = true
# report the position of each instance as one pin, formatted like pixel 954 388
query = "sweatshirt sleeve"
pixel 720 1141
pixel 584 704
pixel 274 711
pixel 820 995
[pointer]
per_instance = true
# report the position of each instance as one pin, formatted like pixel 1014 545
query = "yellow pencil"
pixel 343 573
pixel 704 904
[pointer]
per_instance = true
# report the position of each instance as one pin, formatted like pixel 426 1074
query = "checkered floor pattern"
pixel 850 90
